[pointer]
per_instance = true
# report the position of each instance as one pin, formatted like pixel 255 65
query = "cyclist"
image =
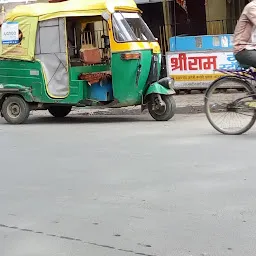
pixel 245 36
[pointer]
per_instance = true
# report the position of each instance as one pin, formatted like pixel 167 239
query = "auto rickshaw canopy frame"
pixel 71 8
pixel 28 17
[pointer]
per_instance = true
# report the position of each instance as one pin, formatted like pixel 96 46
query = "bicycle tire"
pixel 213 86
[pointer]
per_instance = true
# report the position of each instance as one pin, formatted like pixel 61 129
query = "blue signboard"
pixel 201 43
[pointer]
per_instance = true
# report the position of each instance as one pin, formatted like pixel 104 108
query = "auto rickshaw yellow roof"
pixel 70 8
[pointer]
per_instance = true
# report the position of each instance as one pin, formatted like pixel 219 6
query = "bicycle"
pixel 239 84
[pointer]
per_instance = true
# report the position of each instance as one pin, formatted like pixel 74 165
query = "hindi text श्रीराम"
pixel 182 62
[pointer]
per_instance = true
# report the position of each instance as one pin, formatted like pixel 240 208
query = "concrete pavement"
pixel 111 185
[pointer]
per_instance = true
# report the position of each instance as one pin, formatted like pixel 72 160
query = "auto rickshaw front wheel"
pixel 162 107
pixel 59 111
pixel 15 110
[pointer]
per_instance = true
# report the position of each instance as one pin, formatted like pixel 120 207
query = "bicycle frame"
pixel 248 74
pixel 244 74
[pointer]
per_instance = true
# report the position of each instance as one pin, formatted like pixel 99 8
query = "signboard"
pixel 196 69
pixel 10 33
pixel 18 38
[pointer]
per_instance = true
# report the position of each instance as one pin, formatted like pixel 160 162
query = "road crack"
pixel 73 239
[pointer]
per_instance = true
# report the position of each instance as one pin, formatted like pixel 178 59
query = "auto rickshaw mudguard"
pixel 16 89
pixel 163 86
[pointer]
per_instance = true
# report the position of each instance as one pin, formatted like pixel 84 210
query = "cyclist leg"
pixel 247 57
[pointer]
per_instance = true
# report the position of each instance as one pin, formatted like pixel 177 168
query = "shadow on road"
pixel 84 119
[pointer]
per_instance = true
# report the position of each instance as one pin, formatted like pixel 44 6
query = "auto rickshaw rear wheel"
pixel 162 107
pixel 15 110
pixel 59 111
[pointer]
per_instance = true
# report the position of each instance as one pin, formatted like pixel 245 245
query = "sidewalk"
pixel 190 104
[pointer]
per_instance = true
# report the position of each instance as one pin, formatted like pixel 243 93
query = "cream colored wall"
pixel 98 25
pixel 216 12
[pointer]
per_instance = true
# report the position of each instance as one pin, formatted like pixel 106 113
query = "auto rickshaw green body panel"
pixel 28 77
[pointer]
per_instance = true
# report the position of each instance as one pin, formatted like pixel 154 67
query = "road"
pixel 126 186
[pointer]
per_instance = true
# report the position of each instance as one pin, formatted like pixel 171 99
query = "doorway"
pixel 197 17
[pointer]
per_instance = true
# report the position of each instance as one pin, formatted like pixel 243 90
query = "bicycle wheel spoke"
pixel 243 114
pixel 222 117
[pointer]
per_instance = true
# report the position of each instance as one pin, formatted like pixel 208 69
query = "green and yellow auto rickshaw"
pixel 100 53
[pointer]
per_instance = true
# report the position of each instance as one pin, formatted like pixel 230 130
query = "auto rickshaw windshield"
pixel 130 27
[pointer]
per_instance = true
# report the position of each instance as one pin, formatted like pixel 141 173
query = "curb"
pixel 190 110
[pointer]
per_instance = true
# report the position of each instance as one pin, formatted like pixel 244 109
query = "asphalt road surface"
pixel 109 185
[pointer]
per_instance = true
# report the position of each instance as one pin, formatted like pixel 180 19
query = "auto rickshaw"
pixel 53 59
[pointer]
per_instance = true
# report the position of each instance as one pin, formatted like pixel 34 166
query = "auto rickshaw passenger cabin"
pixel 60 36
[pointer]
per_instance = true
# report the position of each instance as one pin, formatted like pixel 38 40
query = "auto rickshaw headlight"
pixel 167 82
pixel 171 83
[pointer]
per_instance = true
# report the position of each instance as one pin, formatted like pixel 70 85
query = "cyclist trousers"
pixel 247 57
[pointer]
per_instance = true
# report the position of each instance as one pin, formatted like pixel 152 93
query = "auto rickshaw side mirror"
pixel 105 16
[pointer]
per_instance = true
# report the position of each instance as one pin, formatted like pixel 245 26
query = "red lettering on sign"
pixel 182 62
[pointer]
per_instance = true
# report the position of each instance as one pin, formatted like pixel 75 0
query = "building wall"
pixel 216 16
pixel 215 10
pixel 222 15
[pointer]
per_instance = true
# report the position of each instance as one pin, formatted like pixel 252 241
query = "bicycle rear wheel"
pixel 226 120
